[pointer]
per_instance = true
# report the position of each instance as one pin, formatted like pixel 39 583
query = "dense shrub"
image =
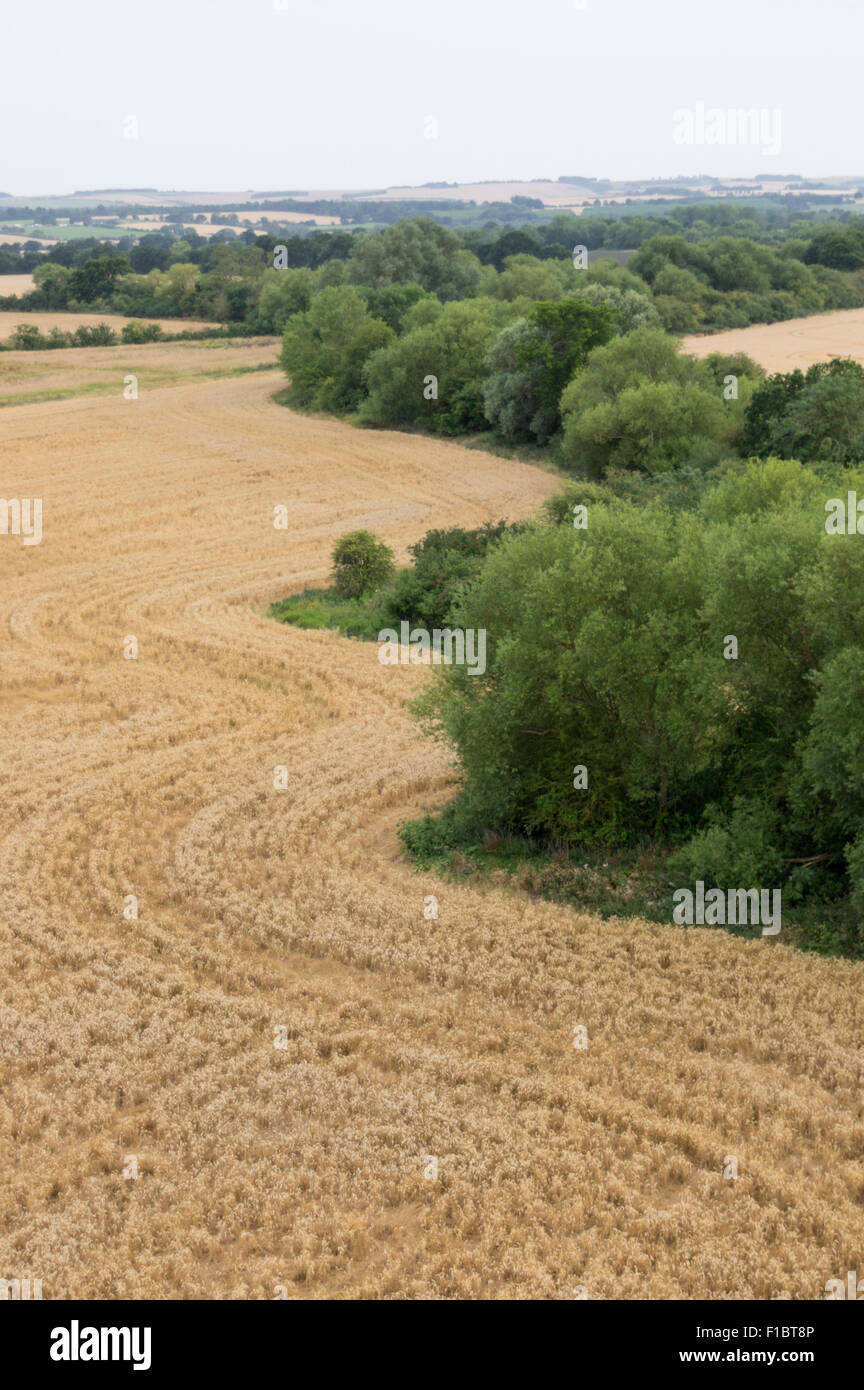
pixel 814 415
pixel 94 335
pixel 534 358
pixel 444 564
pixel 361 562
pixel 137 331
pixel 325 348
pixel 432 376
pixel 605 649
pixel 642 403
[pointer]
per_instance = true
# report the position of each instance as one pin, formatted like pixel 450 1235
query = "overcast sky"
pixel 322 94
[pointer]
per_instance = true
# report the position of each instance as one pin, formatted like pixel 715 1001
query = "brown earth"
pixel 405 1039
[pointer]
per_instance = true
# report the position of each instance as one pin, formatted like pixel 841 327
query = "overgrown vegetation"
pixel 611 659
pixel 368 595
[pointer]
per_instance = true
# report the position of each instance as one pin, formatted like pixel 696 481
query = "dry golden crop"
pixel 781 347
pixel 16 284
pixel 281 1040
pixel 52 373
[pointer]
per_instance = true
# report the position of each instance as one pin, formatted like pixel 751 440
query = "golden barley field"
pixel 13 238
pixel 426 1127
pixel 781 347
pixel 16 284
pixel 54 373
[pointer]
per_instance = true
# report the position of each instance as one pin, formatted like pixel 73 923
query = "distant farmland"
pixel 780 347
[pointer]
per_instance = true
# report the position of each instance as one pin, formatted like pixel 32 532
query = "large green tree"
pixel 415 252
pixel 814 415
pixel 534 359
pixel 642 403
pixel 325 348
pixel 433 374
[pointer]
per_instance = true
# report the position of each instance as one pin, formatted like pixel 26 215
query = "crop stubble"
pixel 407 1038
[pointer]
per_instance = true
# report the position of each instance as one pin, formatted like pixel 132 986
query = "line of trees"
pixel 754 271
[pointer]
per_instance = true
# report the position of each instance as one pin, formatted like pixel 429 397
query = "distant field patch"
pixel 50 374
pixel 10 238
pixel 780 347
pixel 16 284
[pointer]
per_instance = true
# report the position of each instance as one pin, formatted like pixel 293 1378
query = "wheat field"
pixel 27 376
pixel 426 1127
pixel 781 347
pixel 16 284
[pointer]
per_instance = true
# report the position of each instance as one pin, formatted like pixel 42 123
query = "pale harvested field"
pixel 146 222
pixel 11 238
pixel 68 322
pixel 259 908
pixel 780 347
pixel 321 219
pixel 51 373
pixel 16 284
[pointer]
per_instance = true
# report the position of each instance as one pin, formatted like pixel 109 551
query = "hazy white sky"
pixel 238 94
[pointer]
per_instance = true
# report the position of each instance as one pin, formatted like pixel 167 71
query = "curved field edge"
pixel 288 916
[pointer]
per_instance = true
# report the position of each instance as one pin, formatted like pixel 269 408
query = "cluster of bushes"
pixel 608 649
pixel 732 282
pixel 27 337
pixel 369 594
pixel 817 414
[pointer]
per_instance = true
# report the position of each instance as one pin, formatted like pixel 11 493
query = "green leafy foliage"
pixel 361 562
pixel 137 331
pixel 444 564
pixel 607 649
pixel 416 252
pixel 325 348
pixel 533 358
pixel 814 415
pixel 641 403
pixel 433 374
